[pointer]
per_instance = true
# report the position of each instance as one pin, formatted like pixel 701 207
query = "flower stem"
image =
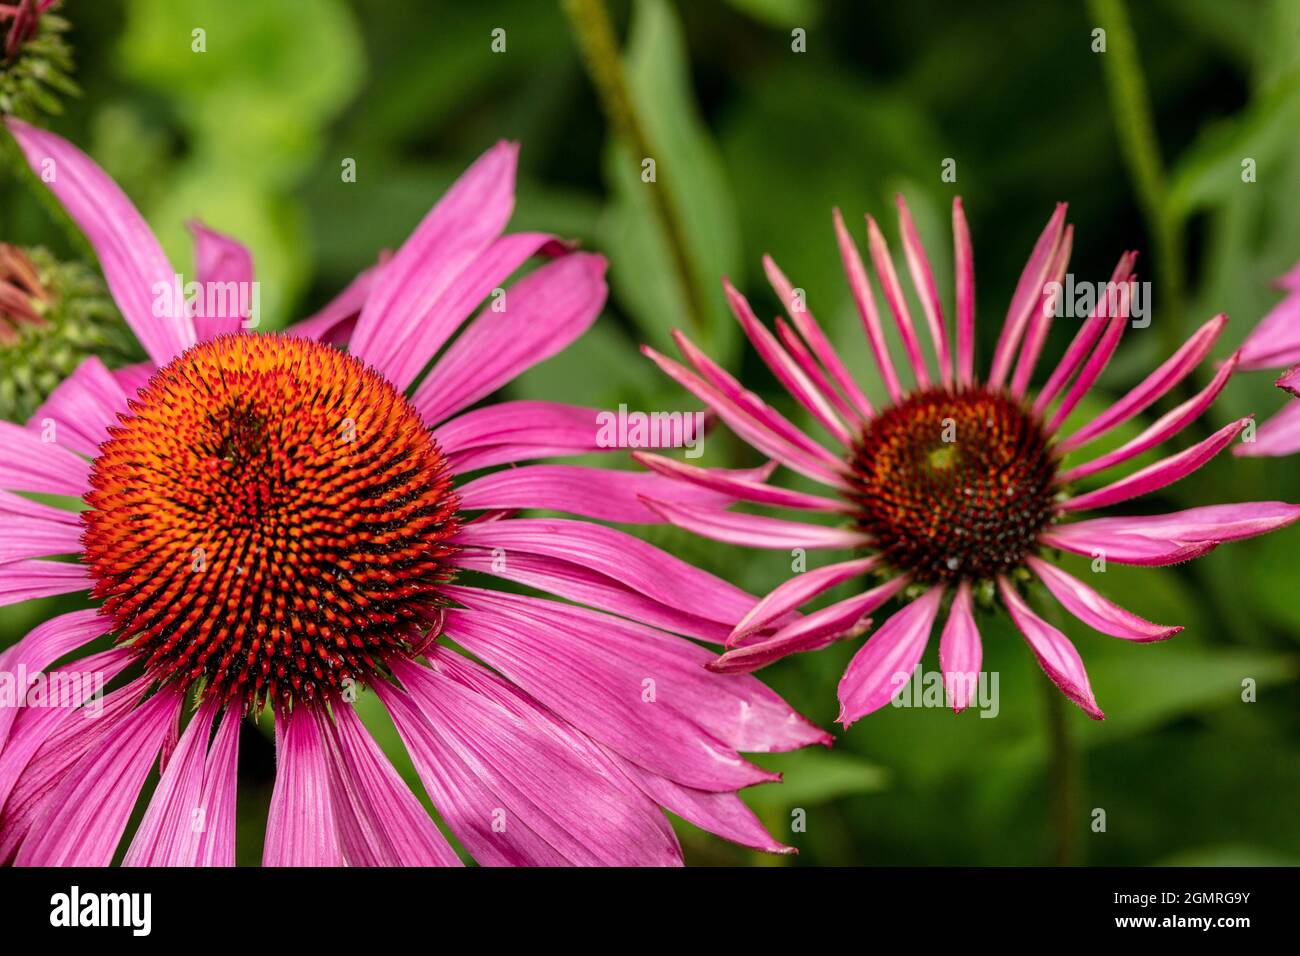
pixel 1065 775
pixel 1136 129
pixel 591 26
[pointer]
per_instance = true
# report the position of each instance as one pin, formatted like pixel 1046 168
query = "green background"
pixel 754 143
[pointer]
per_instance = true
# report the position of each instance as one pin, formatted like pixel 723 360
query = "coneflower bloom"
pixel 959 488
pixel 270 522
pixel 1275 343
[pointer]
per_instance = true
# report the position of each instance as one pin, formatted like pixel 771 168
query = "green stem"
pixel 1136 129
pixel 591 26
pixel 1065 775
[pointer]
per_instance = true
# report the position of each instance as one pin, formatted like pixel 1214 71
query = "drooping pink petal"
pixel 1027 296
pixel 1289 381
pixel 797 591
pixel 82 407
pixel 961 653
pixel 380 821
pixel 1278 436
pixel 1040 322
pixel 1176 368
pixel 864 299
pixel 621 557
pixel 84 816
pixel 723 814
pixel 893 290
pixel 600 493
pixel 300 826
pixel 964 267
pixel 459 227
pixel 1083 340
pixel 43 645
pixel 1056 655
pixel 757 531
pixel 1092 370
pixel 220 787
pixel 839 621
pixel 510 788
pixel 759 426
pixel 1096 611
pixel 545 311
pixel 918 264
pixel 737 488
pixel 137 271
pixel 817 341
pixel 786 370
pixel 888 658
pixel 1275 341
pixel 224 268
pixel 35 530
pixel 1159 474
pixel 33 460
pixel 1164 428
pixel 806 361
pixel 336 321
pixel 1213 523
pixel 168 834
pixel 27 580
pixel 1080 538
pixel 522 423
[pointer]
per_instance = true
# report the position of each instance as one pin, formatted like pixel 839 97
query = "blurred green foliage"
pixel 756 143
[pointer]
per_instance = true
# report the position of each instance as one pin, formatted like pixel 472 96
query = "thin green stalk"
pixel 591 26
pixel 1065 775
pixel 1133 122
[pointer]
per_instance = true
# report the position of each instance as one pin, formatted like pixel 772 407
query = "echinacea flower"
pixel 957 488
pixel 1275 343
pixel 269 520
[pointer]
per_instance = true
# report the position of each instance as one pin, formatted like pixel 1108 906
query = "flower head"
pixel 271 523
pixel 960 487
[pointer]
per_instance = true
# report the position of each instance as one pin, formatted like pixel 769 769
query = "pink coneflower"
pixel 269 520
pixel 958 488
pixel 1275 343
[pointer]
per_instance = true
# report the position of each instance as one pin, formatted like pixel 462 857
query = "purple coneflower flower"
pixel 959 487
pixel 270 521
pixel 1275 343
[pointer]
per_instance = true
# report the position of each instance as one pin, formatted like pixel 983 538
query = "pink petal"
pixel 1280 435
pixel 511 788
pixel 1083 340
pixel 592 492
pixel 796 592
pixel 300 827
pixel 85 815
pixel 888 658
pixel 1157 475
pixel 1041 318
pixel 27 580
pixel 961 654
pixel 169 833
pixel 757 531
pixel 1289 381
pixel 1168 425
pixel 1096 611
pixel 1275 341
pixel 1092 370
pixel 637 564
pixel 918 264
pixel 546 310
pixel 336 322
pixel 786 370
pixel 28 463
pixel 133 262
pixel 816 338
pixel 459 227
pixel 131 378
pixel 35 530
pixel 1214 523
pixel 1056 655
pixel 1154 386
pixel 964 267
pixel 82 407
pixel 1081 538
pixel 43 645
pixel 220 786
pixel 893 290
pixel 864 298
pixel 521 423
pixel 735 488
pixel 380 821
pixel 1027 295
pixel 224 262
